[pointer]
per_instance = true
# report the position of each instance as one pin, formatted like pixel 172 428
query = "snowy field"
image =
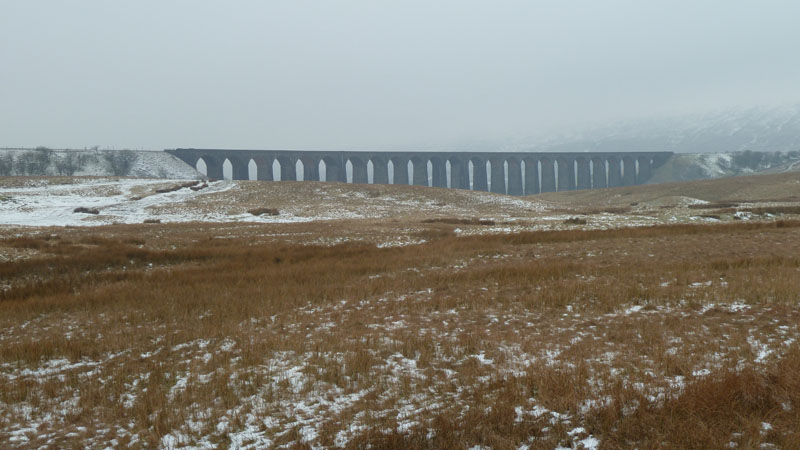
pixel 118 201
pixel 213 329
pixel 53 201
pixel 613 339
pixel 41 203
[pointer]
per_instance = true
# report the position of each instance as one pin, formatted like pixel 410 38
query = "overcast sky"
pixel 349 74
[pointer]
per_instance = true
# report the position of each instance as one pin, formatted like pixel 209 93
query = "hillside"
pixel 699 166
pixel 139 163
pixel 753 188
pixel 387 214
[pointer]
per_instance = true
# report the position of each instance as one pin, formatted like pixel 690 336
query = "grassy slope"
pixel 675 336
pixel 778 187
pixel 679 336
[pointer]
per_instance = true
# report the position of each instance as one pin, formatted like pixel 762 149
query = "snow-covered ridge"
pixel 135 163
pixel 757 129
pixel 697 166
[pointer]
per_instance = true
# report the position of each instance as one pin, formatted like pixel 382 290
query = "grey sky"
pixel 350 74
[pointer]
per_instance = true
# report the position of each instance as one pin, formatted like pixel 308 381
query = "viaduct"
pixel 514 173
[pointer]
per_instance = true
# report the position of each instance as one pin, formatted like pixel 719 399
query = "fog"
pixel 347 74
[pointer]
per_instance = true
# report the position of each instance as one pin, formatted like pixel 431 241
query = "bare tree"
pixel 69 163
pixel 6 163
pixel 120 162
pixel 35 162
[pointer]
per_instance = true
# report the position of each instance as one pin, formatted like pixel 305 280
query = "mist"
pixel 358 75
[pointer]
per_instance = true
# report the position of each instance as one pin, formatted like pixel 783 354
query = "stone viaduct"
pixel 507 173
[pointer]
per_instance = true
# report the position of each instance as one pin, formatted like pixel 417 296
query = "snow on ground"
pixel 52 202
pixel 307 402
pixel 715 165
pixel 44 204
pixel 162 165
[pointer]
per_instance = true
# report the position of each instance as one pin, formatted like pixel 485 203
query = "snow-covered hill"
pixel 758 129
pixel 698 166
pixel 711 145
pixel 143 164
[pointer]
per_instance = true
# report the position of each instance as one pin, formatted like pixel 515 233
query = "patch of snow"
pixel 481 357
pixel 761 350
pixel 590 443
pixel 632 309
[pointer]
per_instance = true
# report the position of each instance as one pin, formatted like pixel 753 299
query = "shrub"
pixel 168 189
pixel 84 210
pixel 262 211
pixel 152 220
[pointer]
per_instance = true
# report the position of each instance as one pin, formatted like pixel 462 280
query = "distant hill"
pixel 723 143
pixel 757 129
pixel 698 166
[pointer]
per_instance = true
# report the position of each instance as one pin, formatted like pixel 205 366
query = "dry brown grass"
pixel 159 335
pixel 742 189
pixel 177 187
pixel 460 221
pixel 714 205
pixel 774 210
pixel 595 211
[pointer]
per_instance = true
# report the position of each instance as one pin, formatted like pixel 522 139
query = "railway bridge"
pixel 513 173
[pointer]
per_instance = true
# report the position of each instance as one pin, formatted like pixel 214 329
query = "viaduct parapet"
pixel 506 173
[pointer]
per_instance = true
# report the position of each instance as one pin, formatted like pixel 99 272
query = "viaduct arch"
pixel 513 173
